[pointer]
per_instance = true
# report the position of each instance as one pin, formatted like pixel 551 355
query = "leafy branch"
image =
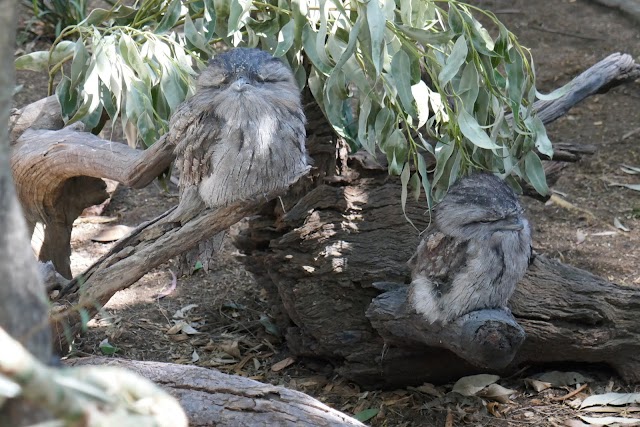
pixel 421 80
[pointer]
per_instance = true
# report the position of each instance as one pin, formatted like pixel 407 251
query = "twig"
pixel 630 134
pixel 570 395
pixel 564 33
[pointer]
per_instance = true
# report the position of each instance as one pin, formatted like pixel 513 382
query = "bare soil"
pixel 230 313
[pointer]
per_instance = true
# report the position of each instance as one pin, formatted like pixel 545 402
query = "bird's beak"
pixel 241 84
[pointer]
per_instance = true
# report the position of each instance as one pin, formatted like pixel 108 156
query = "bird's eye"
pixel 266 79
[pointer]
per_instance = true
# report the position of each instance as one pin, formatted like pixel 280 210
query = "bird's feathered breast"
pixel 439 257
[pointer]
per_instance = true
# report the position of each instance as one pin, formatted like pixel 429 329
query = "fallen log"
pixel 210 397
pixel 349 233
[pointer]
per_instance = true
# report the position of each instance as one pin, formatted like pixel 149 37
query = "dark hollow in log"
pixel 212 398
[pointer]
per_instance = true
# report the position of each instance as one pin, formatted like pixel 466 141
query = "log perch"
pixel 349 233
pixel 75 163
pixel 488 339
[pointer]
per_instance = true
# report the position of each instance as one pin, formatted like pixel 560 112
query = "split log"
pixel 210 397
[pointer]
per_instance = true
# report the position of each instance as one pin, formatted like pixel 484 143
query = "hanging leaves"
pixel 422 81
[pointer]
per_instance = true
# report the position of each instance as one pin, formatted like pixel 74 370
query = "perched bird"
pixel 473 254
pixel 242 133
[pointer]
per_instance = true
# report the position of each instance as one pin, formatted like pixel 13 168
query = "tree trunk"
pixel 211 398
pixel 75 163
pixel 23 305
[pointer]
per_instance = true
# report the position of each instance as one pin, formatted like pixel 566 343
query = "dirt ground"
pixel 230 312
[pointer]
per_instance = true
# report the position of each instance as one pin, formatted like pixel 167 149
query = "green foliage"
pixel 419 80
pixel 58 14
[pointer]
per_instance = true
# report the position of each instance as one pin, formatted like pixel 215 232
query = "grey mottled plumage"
pixel 474 253
pixel 242 134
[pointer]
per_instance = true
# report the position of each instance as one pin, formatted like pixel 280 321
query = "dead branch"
pixel 614 70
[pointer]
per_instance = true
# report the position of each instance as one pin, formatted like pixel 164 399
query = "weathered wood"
pixel 488 339
pixel 146 247
pixel 324 268
pixel 614 70
pixel 211 398
pixel 74 163
pixel 42 114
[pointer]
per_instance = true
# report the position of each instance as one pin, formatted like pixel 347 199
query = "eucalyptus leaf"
pixel 66 98
pixel 41 60
pixel 469 86
pixel 400 69
pixel 170 17
pixel 542 142
pixel 473 132
pixel 380 70
pixel 363 118
pixel 420 93
pixel 535 173
pixel 285 39
pixel 194 36
pixel 97 16
pixel 79 65
pixel 309 42
pixel 239 12
pixel 443 154
pixel 515 80
pixel 426 37
pixel 404 181
pixel 424 179
pixel 556 94
pixel 395 146
pixel 455 61
pixel 376 22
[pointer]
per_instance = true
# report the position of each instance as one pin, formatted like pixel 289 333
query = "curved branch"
pixel 614 70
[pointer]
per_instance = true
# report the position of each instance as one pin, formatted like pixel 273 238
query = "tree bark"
pixel 23 304
pixel 210 397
